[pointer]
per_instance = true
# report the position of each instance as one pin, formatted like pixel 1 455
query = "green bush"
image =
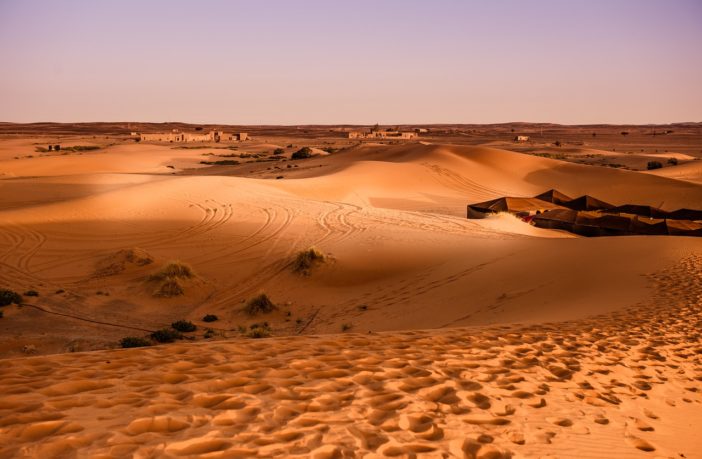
pixel 302 153
pixel 9 297
pixel 260 304
pixel 134 341
pixel 210 318
pixel 306 259
pixel 165 335
pixel 184 326
pixel 654 165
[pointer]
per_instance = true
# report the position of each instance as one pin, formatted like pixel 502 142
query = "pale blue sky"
pixel 314 61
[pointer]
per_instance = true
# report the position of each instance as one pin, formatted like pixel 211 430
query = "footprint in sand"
pixel 561 422
pixel 639 443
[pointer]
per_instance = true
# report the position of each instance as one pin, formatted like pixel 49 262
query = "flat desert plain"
pixel 408 331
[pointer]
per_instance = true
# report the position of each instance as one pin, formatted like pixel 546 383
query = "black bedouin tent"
pixel 589 216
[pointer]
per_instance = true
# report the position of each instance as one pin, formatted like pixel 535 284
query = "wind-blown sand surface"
pixel 469 338
pixel 624 384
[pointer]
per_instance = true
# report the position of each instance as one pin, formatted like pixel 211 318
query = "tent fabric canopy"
pixel 589 216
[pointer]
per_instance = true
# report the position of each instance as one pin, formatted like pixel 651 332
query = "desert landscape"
pixel 340 304
pixel 336 230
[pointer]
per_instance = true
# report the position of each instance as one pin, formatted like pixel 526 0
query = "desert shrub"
pixel 184 326
pixel 166 335
pixel 169 287
pixel 345 327
pixel 557 143
pixel 31 293
pixel 306 259
pixel 330 150
pixel 259 331
pixel 278 151
pixel 260 304
pixel 210 318
pixel 209 333
pixel 673 161
pixel 42 149
pixel 9 297
pixel 57 147
pixel 221 162
pixel 59 291
pixel 302 153
pixel 82 148
pixel 624 133
pixel 173 269
pixel 654 165
pixel 134 341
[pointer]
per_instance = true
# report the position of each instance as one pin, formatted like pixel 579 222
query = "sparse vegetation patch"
pixel 9 297
pixel 166 335
pixel 305 260
pixel 259 331
pixel 184 326
pixel 221 162
pixel 210 318
pixel 260 304
pixel 134 341
pixel 302 153
pixel 173 269
pixel 169 288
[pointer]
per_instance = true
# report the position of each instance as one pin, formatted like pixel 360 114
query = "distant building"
pixel 378 134
pixel 521 138
pixel 177 136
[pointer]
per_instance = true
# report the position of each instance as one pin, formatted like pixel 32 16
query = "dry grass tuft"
pixel 169 287
pixel 305 260
pixel 173 270
pixel 170 278
pixel 260 304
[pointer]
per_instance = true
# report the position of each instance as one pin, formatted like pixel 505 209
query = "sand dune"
pixel 445 350
pixel 601 387
pixel 691 172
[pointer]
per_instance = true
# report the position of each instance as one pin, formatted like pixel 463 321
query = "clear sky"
pixel 362 61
